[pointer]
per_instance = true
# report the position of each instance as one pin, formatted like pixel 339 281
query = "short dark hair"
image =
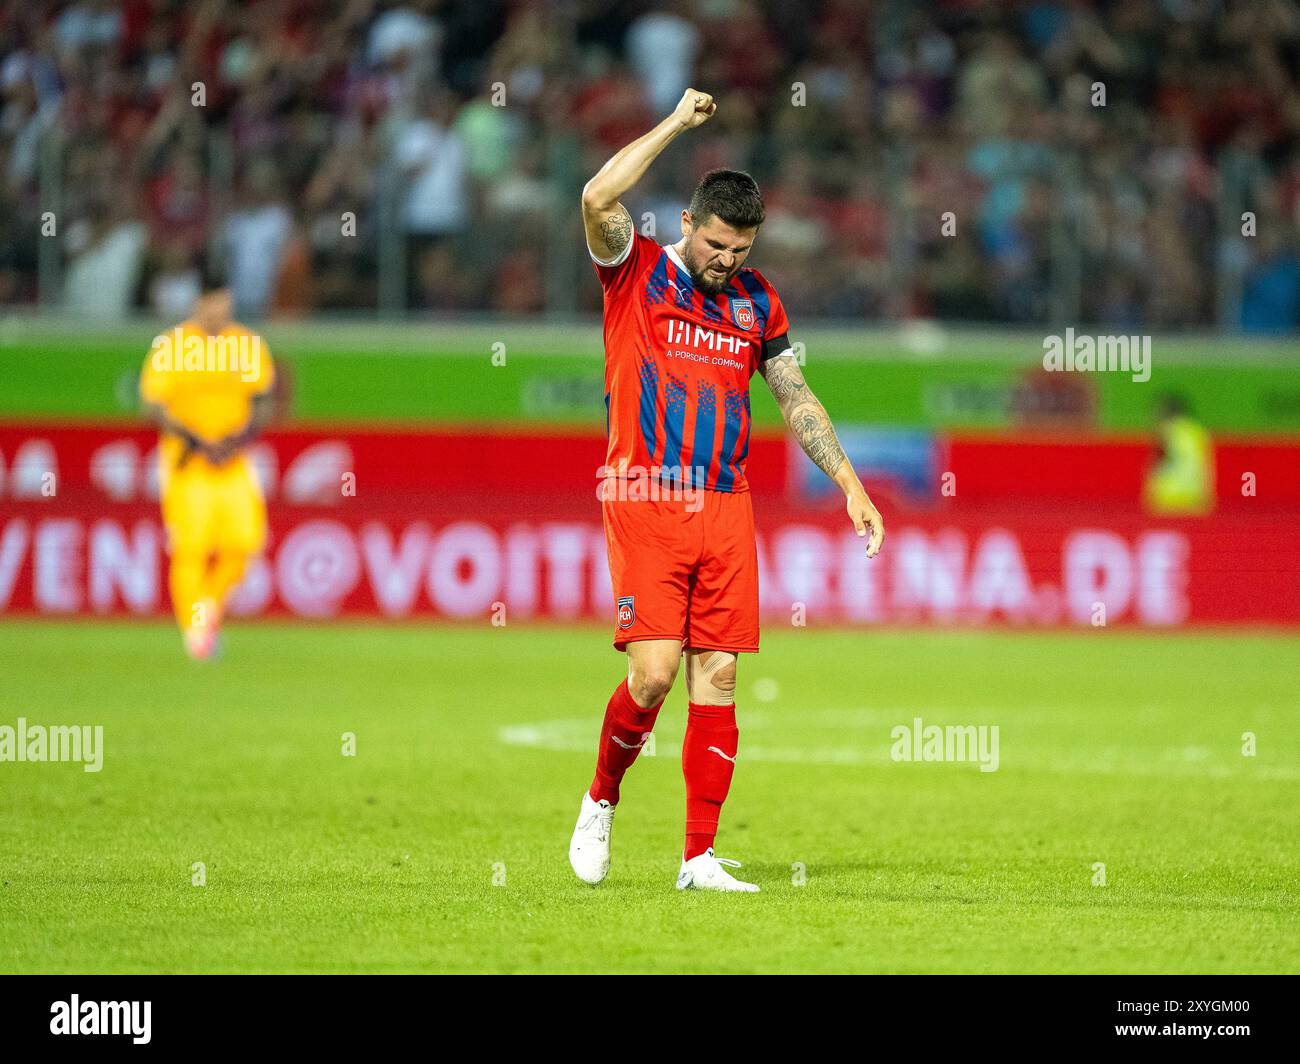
pixel 212 278
pixel 1174 404
pixel 731 195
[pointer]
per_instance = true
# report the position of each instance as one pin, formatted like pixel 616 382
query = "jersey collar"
pixel 677 259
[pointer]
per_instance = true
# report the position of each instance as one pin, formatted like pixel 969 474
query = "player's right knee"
pixel 651 681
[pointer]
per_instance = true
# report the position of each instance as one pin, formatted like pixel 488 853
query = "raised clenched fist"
pixel 695 108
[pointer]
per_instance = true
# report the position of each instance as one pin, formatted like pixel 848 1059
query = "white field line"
pixel 579 735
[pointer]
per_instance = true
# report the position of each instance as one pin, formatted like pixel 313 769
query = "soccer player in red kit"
pixel 686 326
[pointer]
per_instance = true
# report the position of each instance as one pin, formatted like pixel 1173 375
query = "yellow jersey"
pixel 1183 481
pixel 205 383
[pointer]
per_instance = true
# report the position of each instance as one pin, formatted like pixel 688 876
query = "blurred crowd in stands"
pixel 1134 164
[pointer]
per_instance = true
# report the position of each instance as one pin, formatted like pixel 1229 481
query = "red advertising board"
pixel 478 525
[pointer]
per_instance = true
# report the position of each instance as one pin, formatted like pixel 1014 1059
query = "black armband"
pixel 778 345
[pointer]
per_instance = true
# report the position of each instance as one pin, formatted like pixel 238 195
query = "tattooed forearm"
pixel 616 231
pixel 804 413
pixel 816 435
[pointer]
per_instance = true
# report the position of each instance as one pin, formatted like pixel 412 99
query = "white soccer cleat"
pixel 705 872
pixel 589 847
pixel 202 637
pixel 201 642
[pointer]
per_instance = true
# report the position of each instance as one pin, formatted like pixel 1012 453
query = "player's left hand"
pixel 222 451
pixel 865 516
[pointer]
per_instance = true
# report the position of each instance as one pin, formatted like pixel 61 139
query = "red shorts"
pixel 684 569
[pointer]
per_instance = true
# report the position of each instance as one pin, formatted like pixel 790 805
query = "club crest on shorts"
pixel 626 611
pixel 743 311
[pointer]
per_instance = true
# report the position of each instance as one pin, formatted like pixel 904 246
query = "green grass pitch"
pixel 473 746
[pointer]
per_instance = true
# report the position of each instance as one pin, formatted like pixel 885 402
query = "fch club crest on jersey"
pixel 743 311
pixel 626 611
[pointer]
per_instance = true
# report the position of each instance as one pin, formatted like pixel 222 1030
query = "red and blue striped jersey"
pixel 677 367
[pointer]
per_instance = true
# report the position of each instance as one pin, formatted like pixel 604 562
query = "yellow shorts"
pixel 214 509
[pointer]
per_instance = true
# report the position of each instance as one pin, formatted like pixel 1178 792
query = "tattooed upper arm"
pixel 609 231
pixel 785 379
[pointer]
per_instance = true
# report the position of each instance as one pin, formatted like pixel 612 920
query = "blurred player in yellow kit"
pixel 208 385
pixel 1181 481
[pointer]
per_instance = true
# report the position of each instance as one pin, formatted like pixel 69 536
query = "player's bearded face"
pixel 714 253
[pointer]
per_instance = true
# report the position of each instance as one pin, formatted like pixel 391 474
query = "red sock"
pixel 626 728
pixel 708 760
